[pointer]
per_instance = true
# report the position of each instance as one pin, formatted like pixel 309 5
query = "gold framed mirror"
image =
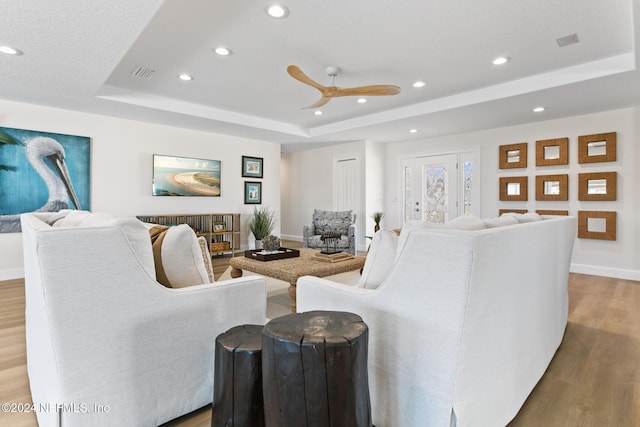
pixel 552 152
pixel 514 188
pixel 599 147
pixel 513 156
pixel 598 186
pixel 552 187
pixel 600 225
pixel 552 212
pixel 504 211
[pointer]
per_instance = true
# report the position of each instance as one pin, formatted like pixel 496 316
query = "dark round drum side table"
pixel 314 370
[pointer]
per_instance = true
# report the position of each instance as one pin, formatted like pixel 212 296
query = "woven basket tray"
pixel 220 246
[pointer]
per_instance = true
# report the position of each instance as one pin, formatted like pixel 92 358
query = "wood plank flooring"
pixel 593 381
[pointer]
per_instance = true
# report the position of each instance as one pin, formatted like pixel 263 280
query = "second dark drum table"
pixel 291 269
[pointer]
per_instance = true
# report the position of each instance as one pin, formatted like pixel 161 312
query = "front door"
pixel 431 188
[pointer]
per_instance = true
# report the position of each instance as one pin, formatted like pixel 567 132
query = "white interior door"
pixel 431 188
pixel 346 184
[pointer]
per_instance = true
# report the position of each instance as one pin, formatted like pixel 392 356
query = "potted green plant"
pixel 377 217
pixel 261 224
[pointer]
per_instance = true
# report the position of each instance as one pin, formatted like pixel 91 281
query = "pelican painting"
pixel 36 176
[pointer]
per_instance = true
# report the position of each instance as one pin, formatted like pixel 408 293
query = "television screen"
pixel 183 176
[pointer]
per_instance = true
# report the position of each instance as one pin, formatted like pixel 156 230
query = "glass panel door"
pixel 430 188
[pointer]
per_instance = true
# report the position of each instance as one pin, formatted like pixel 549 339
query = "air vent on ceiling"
pixel 567 40
pixel 143 72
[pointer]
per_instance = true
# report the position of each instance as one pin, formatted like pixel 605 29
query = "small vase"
pixel 258 244
pixel 376 228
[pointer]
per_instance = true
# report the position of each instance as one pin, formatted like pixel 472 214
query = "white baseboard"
pixel 618 273
pixel 11 273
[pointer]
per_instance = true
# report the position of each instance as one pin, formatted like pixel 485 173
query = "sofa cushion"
pixel 500 221
pixel 522 218
pixel 178 257
pixel 69 218
pixel 134 231
pixel 52 219
pixel 466 222
pixel 380 259
pixel 331 222
pixel 206 257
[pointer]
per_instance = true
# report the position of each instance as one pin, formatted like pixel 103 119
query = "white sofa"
pixel 465 323
pixel 107 345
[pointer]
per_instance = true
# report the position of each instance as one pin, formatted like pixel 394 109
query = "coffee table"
pixel 291 269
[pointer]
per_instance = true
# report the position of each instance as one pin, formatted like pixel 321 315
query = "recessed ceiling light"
pixel 501 60
pixel 186 77
pixel 10 50
pixel 413 130
pixel 362 100
pixel 223 51
pixel 278 11
pixel 539 109
pixel 419 83
pixel 317 113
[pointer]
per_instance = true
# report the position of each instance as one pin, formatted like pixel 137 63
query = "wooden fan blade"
pixel 295 72
pixel 320 103
pixel 373 90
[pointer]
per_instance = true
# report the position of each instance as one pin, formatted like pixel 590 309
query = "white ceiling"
pixel 81 54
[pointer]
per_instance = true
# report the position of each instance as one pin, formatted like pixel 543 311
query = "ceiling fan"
pixel 332 91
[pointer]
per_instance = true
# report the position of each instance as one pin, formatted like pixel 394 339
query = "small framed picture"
pixel 219 227
pixel 252 167
pixel 252 193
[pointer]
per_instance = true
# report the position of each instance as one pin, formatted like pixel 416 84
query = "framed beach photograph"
pixel 219 227
pixel 252 167
pixel 184 176
pixel 252 193
pixel 42 171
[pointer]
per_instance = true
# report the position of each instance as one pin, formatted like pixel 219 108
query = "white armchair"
pixel 107 345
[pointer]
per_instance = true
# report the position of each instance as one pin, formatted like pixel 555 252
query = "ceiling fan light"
pixel 278 11
pixel 223 51
pixel 185 77
pixel 362 100
pixel 539 109
pixel 8 50
pixel 419 84
pixel 501 60
pixel 317 113
pixel 413 130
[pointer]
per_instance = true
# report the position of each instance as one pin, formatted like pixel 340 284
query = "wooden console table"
pixel 291 269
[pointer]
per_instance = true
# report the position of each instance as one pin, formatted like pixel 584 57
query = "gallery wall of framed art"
pixel 556 180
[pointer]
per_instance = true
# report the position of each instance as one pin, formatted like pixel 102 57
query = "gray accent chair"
pixel 343 222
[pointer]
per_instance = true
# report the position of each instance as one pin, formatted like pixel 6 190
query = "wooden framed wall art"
pixel 600 225
pixel 598 186
pixel 552 212
pixel 552 187
pixel 518 211
pixel 514 188
pixel 513 156
pixel 599 147
pixel 552 152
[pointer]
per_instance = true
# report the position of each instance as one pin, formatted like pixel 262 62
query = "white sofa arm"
pixel 314 293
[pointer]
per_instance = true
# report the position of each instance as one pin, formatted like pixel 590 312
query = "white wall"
pixel 620 258
pixel 121 167
pixel 307 184
pixel 374 188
